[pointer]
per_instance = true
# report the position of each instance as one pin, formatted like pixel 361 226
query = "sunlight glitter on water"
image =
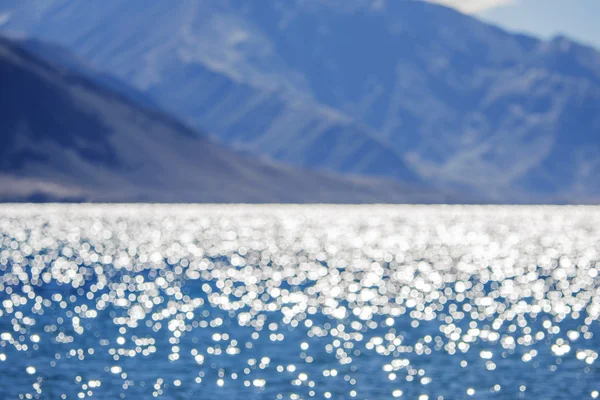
pixel 297 302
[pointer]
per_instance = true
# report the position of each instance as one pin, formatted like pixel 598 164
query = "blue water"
pixel 299 302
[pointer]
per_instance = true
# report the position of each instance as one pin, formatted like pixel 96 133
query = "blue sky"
pixel 577 19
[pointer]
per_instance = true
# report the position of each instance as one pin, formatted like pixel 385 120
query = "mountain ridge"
pixel 406 89
pixel 69 139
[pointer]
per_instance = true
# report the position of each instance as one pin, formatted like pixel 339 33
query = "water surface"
pixel 299 302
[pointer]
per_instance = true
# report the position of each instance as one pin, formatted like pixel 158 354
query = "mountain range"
pixel 67 138
pixel 403 90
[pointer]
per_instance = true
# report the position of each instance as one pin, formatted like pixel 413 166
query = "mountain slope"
pixel 61 57
pixel 65 137
pixel 359 86
pixel 174 52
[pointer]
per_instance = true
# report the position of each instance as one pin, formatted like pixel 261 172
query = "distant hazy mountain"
pixel 395 88
pixel 64 137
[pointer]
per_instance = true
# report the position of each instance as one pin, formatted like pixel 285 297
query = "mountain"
pixel 403 89
pixel 59 56
pixel 250 110
pixel 64 137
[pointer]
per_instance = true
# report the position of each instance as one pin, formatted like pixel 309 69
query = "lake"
pixel 299 302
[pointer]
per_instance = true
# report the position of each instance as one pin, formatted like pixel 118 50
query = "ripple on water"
pixel 297 302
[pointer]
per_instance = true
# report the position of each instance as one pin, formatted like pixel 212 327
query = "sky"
pixel 577 19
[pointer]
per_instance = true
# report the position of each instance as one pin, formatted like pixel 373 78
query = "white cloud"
pixel 473 6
